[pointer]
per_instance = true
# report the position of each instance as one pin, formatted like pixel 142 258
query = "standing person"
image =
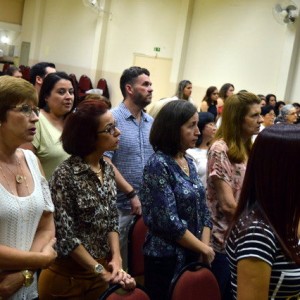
pixel 14 71
pixel 271 99
pixel 38 72
pixel 184 91
pixel 207 128
pixel 83 190
pixel 226 166
pixel 173 200
pixel 56 100
pixel 226 91
pixel 210 101
pixel 26 219
pixel 134 150
pixel 288 115
pixel 263 245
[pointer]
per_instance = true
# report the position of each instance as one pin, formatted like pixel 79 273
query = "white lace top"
pixel 20 216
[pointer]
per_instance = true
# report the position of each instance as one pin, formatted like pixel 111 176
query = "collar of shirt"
pixel 128 115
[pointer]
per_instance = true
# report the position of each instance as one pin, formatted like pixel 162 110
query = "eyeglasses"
pixel 111 129
pixel 27 109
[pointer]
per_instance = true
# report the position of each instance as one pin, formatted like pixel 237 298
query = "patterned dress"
pixel 172 202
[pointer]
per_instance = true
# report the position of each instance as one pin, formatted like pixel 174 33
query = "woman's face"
pixel 263 103
pixel 230 91
pixel 252 121
pixel 189 133
pixel 209 131
pixel 291 118
pixel 269 118
pixel 19 127
pixel 108 133
pixel 272 101
pixel 187 91
pixel 61 98
pixel 215 95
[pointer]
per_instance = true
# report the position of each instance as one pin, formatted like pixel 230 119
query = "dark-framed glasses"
pixel 110 129
pixel 27 109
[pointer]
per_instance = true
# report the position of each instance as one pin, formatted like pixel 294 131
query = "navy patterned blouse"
pixel 172 202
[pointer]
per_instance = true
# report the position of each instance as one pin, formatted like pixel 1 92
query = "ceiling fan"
pixel 285 12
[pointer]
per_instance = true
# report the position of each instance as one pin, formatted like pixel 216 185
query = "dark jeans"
pixel 158 273
pixel 221 270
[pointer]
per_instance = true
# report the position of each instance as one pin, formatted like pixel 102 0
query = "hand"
pixel 10 283
pixel 208 255
pixel 114 266
pixel 136 208
pixel 126 281
pixel 49 252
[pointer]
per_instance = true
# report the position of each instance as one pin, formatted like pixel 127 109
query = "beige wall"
pixel 209 42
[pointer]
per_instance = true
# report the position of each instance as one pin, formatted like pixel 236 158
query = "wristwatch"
pixel 98 268
pixel 28 275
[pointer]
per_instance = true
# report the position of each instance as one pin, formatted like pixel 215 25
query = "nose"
pixel 197 131
pixel 261 119
pixel 117 131
pixel 34 117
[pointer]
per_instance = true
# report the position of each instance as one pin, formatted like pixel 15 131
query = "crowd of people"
pixel 205 180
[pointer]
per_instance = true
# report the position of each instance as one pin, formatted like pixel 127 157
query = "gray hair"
pixel 285 111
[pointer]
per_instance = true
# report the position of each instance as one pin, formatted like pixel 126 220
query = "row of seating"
pixel 194 281
pixel 81 86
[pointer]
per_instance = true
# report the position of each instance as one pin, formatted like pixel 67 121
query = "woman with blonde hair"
pixel 226 166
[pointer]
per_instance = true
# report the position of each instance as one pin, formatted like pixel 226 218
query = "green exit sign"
pixel 156 49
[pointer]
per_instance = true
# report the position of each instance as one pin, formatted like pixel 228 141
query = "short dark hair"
pixel 272 191
pixel 204 118
pixel 79 136
pixel 39 69
pixel 266 109
pixel 48 85
pixel 165 132
pixel 129 75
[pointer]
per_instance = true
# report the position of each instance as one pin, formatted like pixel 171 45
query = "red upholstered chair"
pixel 136 239
pixel 102 84
pixel 5 67
pixel 84 84
pixel 194 281
pixel 25 72
pixel 115 292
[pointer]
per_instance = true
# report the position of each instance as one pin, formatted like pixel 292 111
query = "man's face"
pixel 141 91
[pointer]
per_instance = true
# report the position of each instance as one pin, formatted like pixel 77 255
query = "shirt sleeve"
pixel 61 192
pixel 158 200
pixel 256 242
pixel 218 163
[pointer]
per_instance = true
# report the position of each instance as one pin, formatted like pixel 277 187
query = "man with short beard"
pixel 134 149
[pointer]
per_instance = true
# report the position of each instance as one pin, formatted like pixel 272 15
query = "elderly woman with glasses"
pixel 26 210
pixel 84 193
pixel 288 115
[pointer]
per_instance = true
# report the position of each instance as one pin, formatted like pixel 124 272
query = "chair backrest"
pixel 194 281
pixel 84 83
pixel 25 72
pixel 112 293
pixel 102 85
pixel 136 239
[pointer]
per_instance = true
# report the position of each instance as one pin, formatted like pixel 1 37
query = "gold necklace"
pixel 184 167
pixel 19 178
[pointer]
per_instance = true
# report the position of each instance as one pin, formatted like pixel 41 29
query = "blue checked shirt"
pixel 134 149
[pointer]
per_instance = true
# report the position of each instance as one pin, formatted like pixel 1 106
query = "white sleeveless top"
pixel 20 216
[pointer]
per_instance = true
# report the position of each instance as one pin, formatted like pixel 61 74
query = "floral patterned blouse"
pixel 219 166
pixel 85 210
pixel 172 202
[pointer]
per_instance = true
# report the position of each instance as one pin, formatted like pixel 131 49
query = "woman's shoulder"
pixel 218 145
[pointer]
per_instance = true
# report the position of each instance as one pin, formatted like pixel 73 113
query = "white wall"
pixel 210 42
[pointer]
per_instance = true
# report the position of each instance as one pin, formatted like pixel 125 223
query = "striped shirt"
pixel 134 149
pixel 257 240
